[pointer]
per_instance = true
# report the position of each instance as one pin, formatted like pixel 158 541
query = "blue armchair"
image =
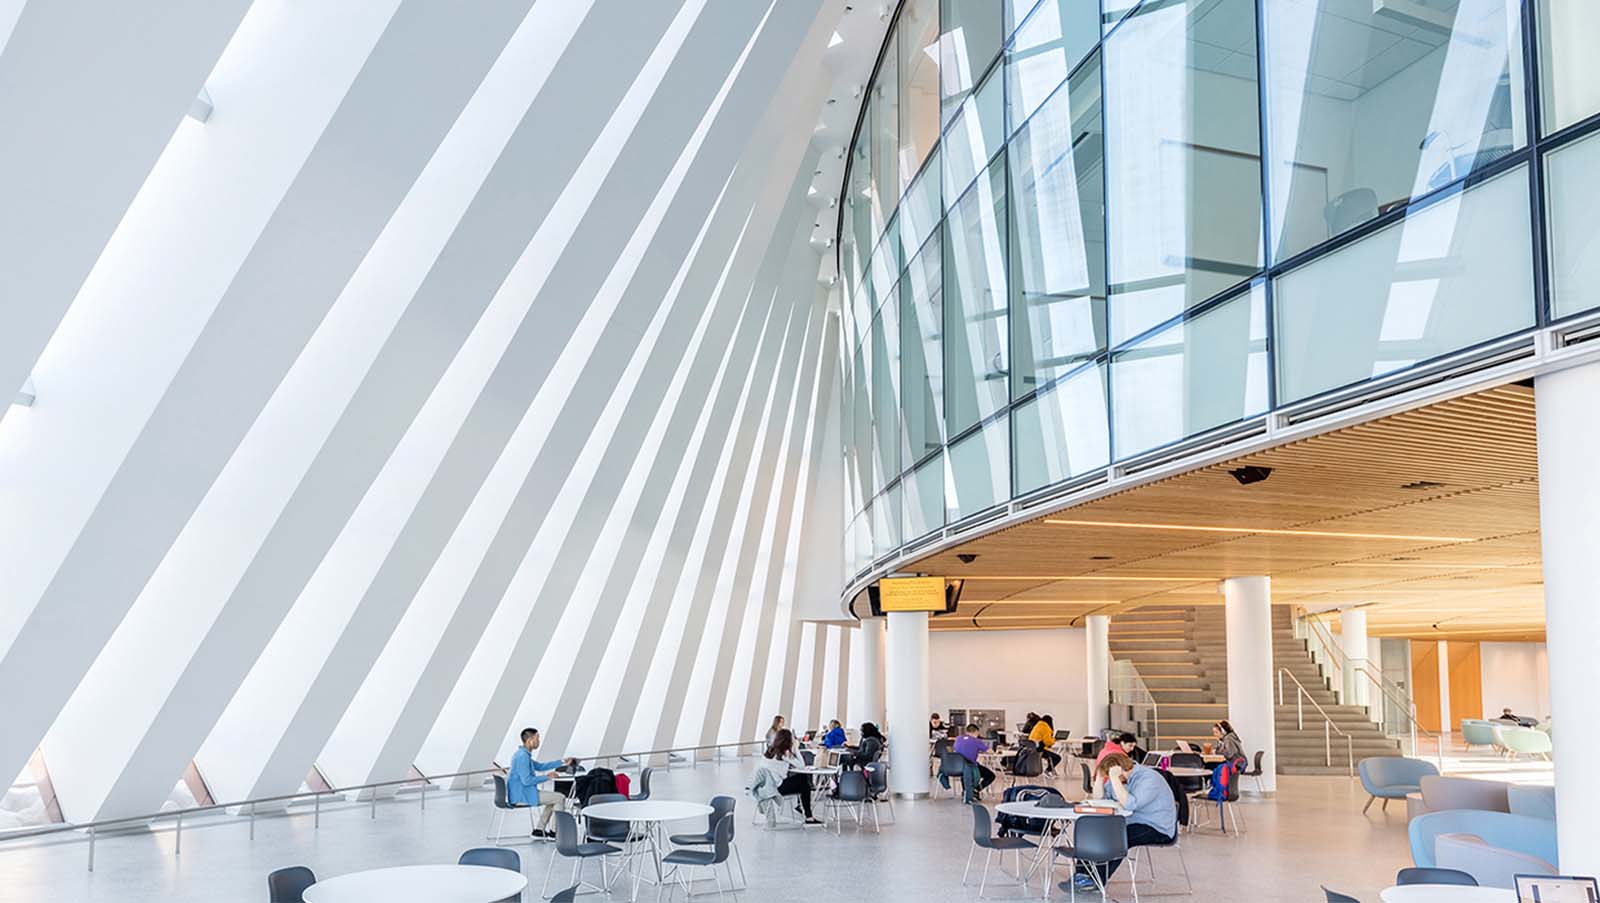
pixel 1490 846
pixel 1392 777
pixel 1528 799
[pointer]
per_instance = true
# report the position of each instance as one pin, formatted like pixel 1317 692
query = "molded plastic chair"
pixel 1336 897
pixel 497 858
pixel 850 792
pixel 983 839
pixel 1188 760
pixel 1029 762
pixel 288 885
pixel 720 806
pixel 1476 732
pixel 1088 777
pixel 684 860
pixel 1417 875
pixel 1255 769
pixel 502 805
pixel 606 829
pixel 568 845
pixel 1138 854
pixel 878 788
pixel 1096 840
pixel 953 766
pixel 1526 741
pixel 1392 777
pixel 644 784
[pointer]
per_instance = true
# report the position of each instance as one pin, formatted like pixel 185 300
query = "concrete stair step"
pixel 1161 655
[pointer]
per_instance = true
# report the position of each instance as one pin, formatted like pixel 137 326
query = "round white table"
pixel 1058 818
pixel 646 816
pixel 1446 893
pixel 1183 771
pixel 420 884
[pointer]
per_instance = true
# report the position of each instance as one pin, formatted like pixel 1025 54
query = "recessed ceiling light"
pixel 837 39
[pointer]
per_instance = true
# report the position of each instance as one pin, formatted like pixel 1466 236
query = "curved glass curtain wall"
pixel 1076 231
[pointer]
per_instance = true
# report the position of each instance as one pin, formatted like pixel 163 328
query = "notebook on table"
pixel 1556 889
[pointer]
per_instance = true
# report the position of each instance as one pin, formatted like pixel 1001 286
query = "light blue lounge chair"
pixel 1489 846
pixel 1392 777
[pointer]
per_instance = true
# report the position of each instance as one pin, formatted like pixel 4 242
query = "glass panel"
pixel 1452 275
pixel 861 228
pixel 1058 241
pixel 1183 205
pixel 919 84
pixel 922 348
pixel 886 392
pixel 1200 373
pixel 978 473
pixel 1047 46
pixel 1569 68
pixel 861 541
pixel 886 523
pixel 1573 177
pixel 921 209
pixel 970 41
pixel 924 500
pixel 885 121
pixel 861 409
pixel 974 138
pixel 975 303
pixel 1372 103
pixel 1114 11
pixel 1016 12
pixel 1061 434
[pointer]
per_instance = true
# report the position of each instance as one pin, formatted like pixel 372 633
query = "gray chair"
pixel 1097 840
pixel 1392 778
pixel 1029 762
pixel 1088 777
pixel 288 885
pixel 496 858
pixel 720 806
pixel 644 785
pixel 850 792
pixel 604 829
pixel 568 846
pixel 983 839
pixel 1336 897
pixel 503 805
pixel 684 860
pixel 878 788
pixel 1417 875
pixel 1255 769
pixel 953 767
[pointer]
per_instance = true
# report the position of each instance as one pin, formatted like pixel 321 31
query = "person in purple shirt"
pixel 969 746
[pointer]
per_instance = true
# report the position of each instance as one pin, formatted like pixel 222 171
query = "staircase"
pixel 1182 655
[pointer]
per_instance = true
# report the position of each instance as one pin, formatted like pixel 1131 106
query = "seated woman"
pixel 1229 746
pixel 1044 734
pixel 834 738
pixel 868 750
pixel 1152 811
pixel 780 760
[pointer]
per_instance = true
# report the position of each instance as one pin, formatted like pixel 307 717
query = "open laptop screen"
pixel 1556 889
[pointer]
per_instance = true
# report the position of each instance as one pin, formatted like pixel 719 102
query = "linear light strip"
pixel 1257 530
pixel 1091 577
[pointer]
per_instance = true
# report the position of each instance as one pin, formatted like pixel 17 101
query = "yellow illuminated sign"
pixel 911 594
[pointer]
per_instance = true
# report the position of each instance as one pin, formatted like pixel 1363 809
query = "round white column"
pixel 872 664
pixel 906 689
pixel 1097 673
pixel 1353 641
pixel 1248 612
pixel 1569 532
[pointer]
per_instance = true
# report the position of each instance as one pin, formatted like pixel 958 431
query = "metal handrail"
pixel 1339 661
pixel 1328 727
pixel 93 827
pixel 1409 709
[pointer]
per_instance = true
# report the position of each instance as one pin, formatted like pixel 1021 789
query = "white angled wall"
pixel 467 370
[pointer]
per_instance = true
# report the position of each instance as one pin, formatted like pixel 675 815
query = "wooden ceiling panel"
pixel 1428 518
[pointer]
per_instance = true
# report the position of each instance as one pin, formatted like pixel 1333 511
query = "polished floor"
pixel 1312 833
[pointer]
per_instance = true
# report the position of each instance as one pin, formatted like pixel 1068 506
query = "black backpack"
pixel 595 780
pixel 1016 824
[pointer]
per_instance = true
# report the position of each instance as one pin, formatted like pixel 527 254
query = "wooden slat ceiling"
pixel 1428 518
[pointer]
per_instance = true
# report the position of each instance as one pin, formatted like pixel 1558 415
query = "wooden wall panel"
pixel 1425 682
pixel 1466 682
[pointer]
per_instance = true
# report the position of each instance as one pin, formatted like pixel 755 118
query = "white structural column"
pixel 1445 719
pixel 1569 531
pixel 1248 603
pixel 1353 639
pixel 906 666
pixel 871 641
pixel 1097 674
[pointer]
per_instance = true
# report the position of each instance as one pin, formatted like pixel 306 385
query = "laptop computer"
pixel 1152 759
pixel 1556 889
pixel 1183 746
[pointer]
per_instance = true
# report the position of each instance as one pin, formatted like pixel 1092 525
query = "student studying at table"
pixel 970 746
pixel 1044 734
pixel 834 738
pixel 1152 811
pixel 524 779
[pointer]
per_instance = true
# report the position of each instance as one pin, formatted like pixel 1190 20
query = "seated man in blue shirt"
pixel 834 738
pixel 1152 810
pixel 524 780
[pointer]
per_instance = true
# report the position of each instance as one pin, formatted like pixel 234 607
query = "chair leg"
pixel 987 858
pixel 1370 801
pixel 744 882
pixel 968 870
pixel 496 814
pixel 1386 804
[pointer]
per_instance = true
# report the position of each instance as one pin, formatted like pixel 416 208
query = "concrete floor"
pixel 1311 833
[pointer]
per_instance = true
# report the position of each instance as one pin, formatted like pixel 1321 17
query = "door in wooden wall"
pixel 1466 682
pixel 1425 682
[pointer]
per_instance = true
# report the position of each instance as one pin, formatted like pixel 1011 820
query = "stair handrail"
pixel 1340 661
pixel 1125 679
pixel 1409 709
pixel 1328 727
pixel 1323 649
